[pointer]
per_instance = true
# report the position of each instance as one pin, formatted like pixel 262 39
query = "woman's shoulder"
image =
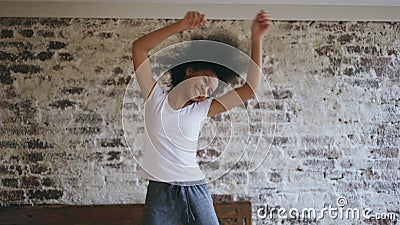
pixel 156 91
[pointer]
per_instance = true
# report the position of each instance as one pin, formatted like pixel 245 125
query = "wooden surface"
pixel 228 213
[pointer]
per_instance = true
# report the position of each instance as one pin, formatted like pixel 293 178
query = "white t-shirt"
pixel 171 138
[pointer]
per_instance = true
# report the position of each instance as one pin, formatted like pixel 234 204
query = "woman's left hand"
pixel 261 24
pixel 193 20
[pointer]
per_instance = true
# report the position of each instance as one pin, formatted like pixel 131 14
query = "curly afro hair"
pixel 222 46
pixel 223 73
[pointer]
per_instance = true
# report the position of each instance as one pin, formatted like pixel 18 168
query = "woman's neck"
pixel 177 101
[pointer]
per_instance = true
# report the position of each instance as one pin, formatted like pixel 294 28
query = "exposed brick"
pixel 348 186
pixel 374 62
pixel 317 141
pixel 354 49
pixel 112 143
pixel 333 174
pixel 55 45
pixel 65 56
pixel 25 55
pixel 7 56
pixel 326 50
pixel 8 144
pixel 268 70
pixel 14 159
pixel 73 90
pixel 388 164
pixel 17 168
pixel 55 22
pixel 98 69
pixel 88 118
pixel 222 198
pixel 319 164
pixel 351 71
pixel 108 82
pixel 45 194
pixel 38 169
pixel 6 105
pixel 83 130
pixel 113 155
pixel 6 170
pixel 367 50
pixel 48 182
pixel 123 80
pixel 385 152
pixel 282 94
pixel 9 92
pixel 58 67
pixel 118 70
pixel 37 144
pixel 106 35
pixel 10 182
pixel 7 196
pixel 280 140
pixel 114 165
pixel 96 156
pixel 363 83
pixel 30 182
pixel 17 44
pixel 45 33
pixel 25 69
pixel 5 75
pixel 310 152
pixel 27 33
pixel 275 177
pixel 62 104
pixel 386 186
pixel 35 157
pixel 345 38
pixel 18 21
pixel 45 55
pixel 6 33
pixel 236 178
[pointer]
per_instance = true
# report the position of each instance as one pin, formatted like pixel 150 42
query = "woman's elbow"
pixel 135 46
pixel 251 90
pixel 247 94
pixel 250 95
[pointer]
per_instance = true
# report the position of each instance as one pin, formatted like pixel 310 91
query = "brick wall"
pixel 335 85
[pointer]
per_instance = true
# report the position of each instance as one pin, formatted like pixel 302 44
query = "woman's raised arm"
pixel 261 24
pixel 142 46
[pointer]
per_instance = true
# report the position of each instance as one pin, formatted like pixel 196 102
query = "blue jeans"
pixel 181 202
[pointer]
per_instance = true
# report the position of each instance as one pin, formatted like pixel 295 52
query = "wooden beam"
pixel 238 212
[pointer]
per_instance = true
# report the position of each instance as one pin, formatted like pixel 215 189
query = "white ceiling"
pixel 317 10
pixel 268 2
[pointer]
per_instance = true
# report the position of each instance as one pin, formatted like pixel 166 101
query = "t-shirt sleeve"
pixel 204 106
pixel 156 94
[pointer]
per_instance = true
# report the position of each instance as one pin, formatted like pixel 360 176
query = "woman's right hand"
pixel 193 20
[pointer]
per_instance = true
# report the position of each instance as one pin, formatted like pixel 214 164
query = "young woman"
pixel 177 192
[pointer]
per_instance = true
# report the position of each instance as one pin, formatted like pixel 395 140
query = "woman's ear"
pixel 188 72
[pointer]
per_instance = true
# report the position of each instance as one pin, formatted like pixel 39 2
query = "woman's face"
pixel 200 84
